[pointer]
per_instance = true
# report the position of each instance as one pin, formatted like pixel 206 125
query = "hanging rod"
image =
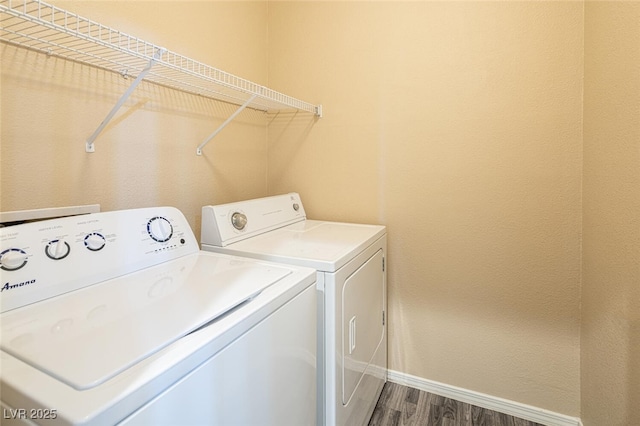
pixel 39 26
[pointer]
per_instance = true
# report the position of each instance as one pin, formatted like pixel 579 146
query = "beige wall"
pixel 610 379
pixel 146 155
pixel 459 126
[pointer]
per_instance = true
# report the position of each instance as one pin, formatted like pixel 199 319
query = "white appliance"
pixel 119 318
pixel 350 260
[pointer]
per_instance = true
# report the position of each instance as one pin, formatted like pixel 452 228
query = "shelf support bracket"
pixel 223 125
pixel 89 144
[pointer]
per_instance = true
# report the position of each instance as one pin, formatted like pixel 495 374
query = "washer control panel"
pixel 43 259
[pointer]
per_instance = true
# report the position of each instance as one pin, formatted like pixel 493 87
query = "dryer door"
pixel 362 322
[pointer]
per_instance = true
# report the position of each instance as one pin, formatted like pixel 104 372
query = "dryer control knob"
pixel 239 220
pixel 57 249
pixel 13 259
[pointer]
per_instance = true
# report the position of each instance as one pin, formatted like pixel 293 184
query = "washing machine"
pixel 351 283
pixel 119 318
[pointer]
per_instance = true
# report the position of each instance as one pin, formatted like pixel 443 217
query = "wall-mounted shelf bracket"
pixel 223 125
pixel 89 144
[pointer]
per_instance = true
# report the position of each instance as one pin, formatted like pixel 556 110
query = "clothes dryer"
pixel 351 282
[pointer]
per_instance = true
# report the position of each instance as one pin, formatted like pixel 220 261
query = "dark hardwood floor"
pixel 404 406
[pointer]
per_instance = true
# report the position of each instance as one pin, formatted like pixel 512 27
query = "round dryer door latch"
pixel 239 220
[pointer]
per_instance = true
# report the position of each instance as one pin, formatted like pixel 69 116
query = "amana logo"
pixel 8 286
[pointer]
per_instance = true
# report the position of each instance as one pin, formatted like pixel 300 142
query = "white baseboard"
pixel 494 403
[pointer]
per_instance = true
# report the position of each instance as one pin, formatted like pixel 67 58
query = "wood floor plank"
pixel 423 408
pixel 465 414
pixel 503 419
pixel 412 395
pixel 392 395
pixel 409 412
pixel 521 422
pixel 404 406
pixel 452 412
pixel 377 417
pixel 435 415
pixel 394 417
pixel 479 416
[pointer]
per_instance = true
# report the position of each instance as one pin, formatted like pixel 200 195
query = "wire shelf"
pixel 36 25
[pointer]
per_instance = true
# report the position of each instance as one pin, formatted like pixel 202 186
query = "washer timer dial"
pixel 13 259
pixel 160 229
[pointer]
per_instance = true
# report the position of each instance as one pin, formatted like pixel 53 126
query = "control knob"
pixel 239 220
pixel 94 241
pixel 13 259
pixel 160 229
pixel 57 249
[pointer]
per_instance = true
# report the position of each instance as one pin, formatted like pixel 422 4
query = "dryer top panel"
pixel 324 246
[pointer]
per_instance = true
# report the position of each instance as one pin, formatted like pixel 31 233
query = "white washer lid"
pixel 324 246
pixel 86 337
